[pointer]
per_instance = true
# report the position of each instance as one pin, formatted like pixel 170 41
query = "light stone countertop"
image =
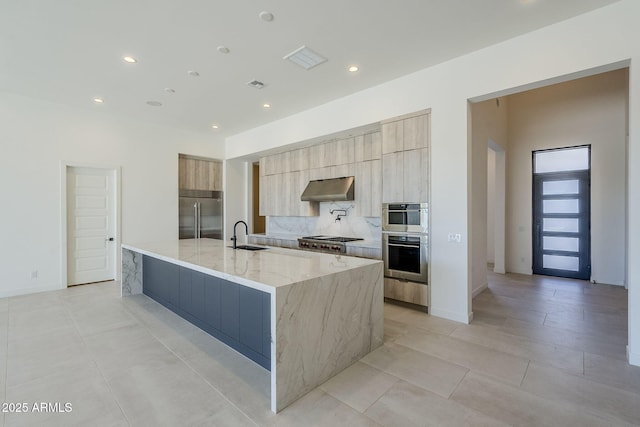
pixel 264 270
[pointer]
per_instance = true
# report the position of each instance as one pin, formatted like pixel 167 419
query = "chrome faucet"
pixel 235 238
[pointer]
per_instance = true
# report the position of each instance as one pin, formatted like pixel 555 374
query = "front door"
pixel 562 213
pixel 90 225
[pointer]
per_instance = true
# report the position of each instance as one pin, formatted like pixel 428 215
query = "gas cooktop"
pixel 335 244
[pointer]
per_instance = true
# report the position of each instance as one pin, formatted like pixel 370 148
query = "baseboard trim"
pixel 30 290
pixel 451 315
pixel 633 358
pixel 479 290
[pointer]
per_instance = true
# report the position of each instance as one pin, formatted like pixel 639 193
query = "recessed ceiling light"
pixel 130 59
pixel 98 100
pixel 193 73
pixel 266 105
pixel 266 16
pixel 214 126
pixel 154 103
pixel 223 49
pixel 353 69
pixel 169 90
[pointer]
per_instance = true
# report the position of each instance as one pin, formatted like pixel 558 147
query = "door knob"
pixel 109 239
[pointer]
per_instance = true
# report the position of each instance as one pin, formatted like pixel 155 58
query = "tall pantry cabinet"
pixel 405 159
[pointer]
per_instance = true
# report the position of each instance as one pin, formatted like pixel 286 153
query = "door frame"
pixel 537 249
pixel 64 166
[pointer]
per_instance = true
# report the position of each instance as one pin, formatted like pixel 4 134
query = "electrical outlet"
pixel 454 237
pixel 34 274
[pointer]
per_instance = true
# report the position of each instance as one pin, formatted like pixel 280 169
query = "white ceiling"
pixel 70 51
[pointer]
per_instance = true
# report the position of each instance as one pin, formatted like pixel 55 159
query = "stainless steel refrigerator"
pixel 200 214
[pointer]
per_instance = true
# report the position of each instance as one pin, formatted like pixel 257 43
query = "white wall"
pixel 35 136
pixel 491 200
pixel 488 129
pixel 237 197
pixel 579 46
pixel 591 111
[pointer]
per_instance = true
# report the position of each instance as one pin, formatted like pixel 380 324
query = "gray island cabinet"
pixel 304 316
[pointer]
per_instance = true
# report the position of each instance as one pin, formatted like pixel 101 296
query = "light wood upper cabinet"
pixel 390 165
pixel 416 175
pixel 405 159
pixel 199 174
pixel 299 160
pixel 415 132
pixel 393 177
pixel 344 151
pixel 368 147
pixel 368 190
pixel 280 195
pixel 392 137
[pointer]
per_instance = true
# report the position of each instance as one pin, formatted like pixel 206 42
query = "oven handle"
pixel 403 246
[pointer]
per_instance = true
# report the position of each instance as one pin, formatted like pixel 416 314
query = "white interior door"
pixel 90 225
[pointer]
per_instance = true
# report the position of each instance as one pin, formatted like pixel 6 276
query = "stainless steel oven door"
pixel 405 217
pixel 405 256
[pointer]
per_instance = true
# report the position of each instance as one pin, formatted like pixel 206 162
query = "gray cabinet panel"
pixel 197 295
pixel 230 309
pixel 236 315
pixel 212 286
pixel 161 276
pixel 184 294
pixel 250 318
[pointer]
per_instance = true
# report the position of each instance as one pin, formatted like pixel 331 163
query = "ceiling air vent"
pixel 256 83
pixel 305 57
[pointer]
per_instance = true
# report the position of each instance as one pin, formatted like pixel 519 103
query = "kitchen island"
pixel 305 316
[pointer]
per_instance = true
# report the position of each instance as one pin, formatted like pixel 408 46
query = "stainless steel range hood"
pixel 328 190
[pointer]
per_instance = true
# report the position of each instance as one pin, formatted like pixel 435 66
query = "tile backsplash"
pixel 368 228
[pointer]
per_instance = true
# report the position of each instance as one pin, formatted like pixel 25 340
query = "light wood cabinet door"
pixel 361 190
pixel 268 196
pixel 299 160
pixel 368 147
pixel 368 190
pixel 182 173
pixel 375 146
pixel 270 164
pixel 261 164
pixel 416 132
pixel 376 188
pixel 344 151
pixel 341 170
pixel 198 174
pixel 317 157
pixel 215 176
pixel 415 179
pixel 262 207
pixel 392 137
pixel 393 177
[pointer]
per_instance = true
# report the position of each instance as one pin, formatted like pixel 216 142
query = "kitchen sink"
pixel 249 247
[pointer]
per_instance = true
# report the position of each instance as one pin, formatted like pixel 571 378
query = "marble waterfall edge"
pixel 131 272
pixel 323 326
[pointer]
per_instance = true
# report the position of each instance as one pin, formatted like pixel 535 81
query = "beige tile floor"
pixel 540 352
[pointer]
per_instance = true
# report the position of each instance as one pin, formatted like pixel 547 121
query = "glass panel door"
pixel 561 213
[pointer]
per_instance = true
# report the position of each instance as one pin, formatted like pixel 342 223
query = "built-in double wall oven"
pixel 405 256
pixel 405 249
